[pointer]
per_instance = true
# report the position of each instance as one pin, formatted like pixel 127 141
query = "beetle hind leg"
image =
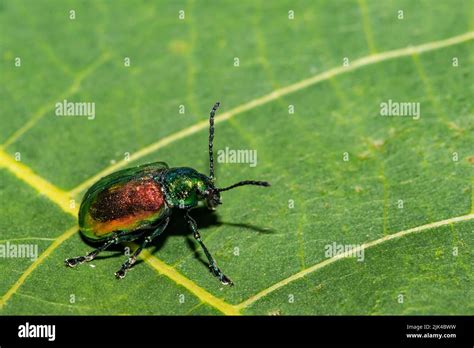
pixel 74 261
pixel 117 238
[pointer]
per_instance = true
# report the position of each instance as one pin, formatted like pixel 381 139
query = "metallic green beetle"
pixel 138 202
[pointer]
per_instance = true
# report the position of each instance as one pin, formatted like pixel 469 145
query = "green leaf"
pixel 403 196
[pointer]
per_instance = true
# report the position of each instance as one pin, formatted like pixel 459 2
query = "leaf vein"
pixel 364 246
pixel 275 95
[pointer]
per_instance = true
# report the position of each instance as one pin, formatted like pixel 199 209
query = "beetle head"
pixel 213 198
pixel 206 189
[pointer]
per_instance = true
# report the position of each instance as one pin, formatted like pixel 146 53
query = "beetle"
pixel 137 203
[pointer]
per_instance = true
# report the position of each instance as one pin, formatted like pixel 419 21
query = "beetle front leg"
pixel 212 263
pixel 132 259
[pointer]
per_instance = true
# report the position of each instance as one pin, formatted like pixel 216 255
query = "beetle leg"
pixel 119 237
pixel 72 262
pixel 212 263
pixel 132 259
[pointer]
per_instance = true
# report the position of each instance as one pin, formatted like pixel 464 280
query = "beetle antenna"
pixel 246 182
pixel 211 139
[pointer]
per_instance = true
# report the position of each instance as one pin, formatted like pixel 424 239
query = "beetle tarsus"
pixel 222 277
pixel 73 262
pixel 120 274
pixel 226 280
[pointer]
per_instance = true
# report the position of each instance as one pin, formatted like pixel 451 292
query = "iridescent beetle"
pixel 137 202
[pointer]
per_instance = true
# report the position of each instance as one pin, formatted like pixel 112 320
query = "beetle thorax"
pixel 184 187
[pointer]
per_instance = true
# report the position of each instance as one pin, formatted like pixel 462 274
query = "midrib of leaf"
pixel 62 198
